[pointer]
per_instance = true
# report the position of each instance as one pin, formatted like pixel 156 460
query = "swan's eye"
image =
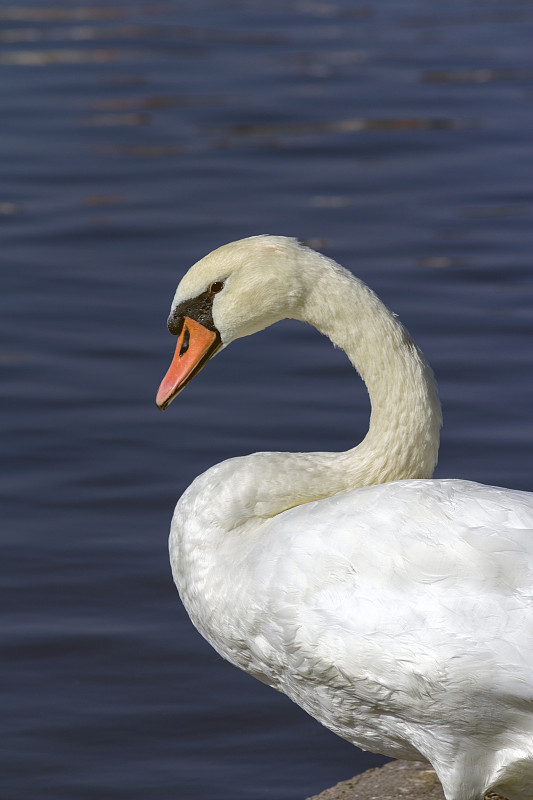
pixel 216 287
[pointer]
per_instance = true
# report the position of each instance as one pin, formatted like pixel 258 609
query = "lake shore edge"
pixel 408 780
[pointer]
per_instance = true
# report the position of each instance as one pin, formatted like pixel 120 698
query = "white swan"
pixel 399 614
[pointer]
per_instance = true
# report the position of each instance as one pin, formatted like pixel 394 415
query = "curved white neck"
pixel 403 437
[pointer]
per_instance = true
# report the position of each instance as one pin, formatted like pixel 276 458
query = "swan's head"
pixel 234 291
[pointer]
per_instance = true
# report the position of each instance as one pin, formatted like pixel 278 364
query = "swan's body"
pixel 398 612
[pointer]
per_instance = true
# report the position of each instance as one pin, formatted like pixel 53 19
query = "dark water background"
pixel 135 137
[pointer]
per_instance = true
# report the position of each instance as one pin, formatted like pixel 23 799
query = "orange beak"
pixel 196 345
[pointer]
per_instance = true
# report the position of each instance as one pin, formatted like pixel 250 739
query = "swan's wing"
pixel 403 592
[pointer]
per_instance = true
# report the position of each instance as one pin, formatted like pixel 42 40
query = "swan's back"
pixel 437 567
pixel 399 615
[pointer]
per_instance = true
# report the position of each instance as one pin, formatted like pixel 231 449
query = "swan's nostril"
pixel 185 343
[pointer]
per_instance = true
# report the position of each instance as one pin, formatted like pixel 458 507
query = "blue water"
pixel 134 138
